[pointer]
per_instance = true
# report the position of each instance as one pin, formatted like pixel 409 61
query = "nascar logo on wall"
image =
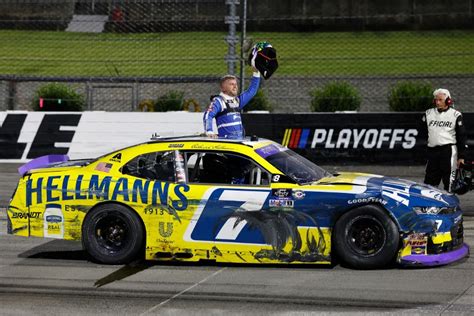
pixel 349 137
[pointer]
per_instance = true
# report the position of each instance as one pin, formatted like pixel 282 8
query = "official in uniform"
pixel 446 140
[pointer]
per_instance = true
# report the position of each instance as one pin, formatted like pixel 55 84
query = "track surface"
pixel 45 276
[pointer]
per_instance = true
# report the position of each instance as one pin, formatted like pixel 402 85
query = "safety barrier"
pixel 391 138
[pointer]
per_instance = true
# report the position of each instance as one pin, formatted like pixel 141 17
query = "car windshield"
pixel 293 165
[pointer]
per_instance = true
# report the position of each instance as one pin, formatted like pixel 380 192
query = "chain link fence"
pixel 119 54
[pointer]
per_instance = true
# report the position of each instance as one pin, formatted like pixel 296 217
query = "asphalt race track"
pixel 46 276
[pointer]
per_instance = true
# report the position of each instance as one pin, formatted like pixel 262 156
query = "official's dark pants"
pixel 442 164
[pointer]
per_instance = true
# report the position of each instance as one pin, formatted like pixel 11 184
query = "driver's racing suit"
pixel 226 110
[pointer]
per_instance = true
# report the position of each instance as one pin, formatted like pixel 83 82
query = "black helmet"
pixel 263 57
pixel 463 180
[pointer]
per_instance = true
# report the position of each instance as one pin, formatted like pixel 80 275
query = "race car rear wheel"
pixel 113 234
pixel 366 238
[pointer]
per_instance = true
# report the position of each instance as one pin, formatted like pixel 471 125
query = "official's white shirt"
pixel 442 126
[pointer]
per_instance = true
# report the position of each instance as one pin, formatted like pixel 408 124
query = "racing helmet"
pixel 463 180
pixel 263 57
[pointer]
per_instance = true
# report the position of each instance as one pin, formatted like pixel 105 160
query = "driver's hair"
pixel 225 78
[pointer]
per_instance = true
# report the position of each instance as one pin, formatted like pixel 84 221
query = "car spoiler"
pixel 42 162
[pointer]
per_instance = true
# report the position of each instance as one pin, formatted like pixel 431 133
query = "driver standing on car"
pixel 446 140
pixel 226 107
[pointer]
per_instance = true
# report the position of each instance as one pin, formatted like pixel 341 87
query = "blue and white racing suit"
pixel 226 110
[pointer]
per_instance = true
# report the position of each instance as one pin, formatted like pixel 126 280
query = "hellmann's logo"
pixel 366 138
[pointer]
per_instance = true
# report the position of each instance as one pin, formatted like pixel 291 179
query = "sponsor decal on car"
pixel 54 219
pixel 165 231
pixel 116 157
pixel 269 150
pixel 298 194
pixel 97 187
pixel 367 200
pixel 281 203
pixel 281 193
pixel 25 215
pixel 175 145
pixel 53 225
pixel 418 243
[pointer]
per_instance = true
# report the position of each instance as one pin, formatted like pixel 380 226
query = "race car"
pixel 237 201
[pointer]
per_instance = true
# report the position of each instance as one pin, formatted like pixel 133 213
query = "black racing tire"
pixel 366 238
pixel 113 234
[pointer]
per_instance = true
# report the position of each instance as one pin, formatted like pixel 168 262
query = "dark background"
pixel 263 15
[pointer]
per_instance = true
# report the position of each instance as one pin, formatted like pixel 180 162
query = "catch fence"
pixel 121 55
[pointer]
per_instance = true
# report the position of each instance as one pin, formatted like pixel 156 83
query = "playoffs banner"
pixel 383 138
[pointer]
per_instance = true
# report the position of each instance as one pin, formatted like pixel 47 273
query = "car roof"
pixel 249 141
pixel 253 142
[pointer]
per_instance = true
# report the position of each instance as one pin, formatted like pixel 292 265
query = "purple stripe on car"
pixel 42 162
pixel 436 260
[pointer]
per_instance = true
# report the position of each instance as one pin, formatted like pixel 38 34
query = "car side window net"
pixel 224 168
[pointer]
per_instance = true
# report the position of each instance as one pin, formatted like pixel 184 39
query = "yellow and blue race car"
pixel 239 201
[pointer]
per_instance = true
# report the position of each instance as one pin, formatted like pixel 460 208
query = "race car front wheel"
pixel 113 234
pixel 366 238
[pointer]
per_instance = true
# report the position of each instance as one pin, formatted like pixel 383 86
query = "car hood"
pixel 407 192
